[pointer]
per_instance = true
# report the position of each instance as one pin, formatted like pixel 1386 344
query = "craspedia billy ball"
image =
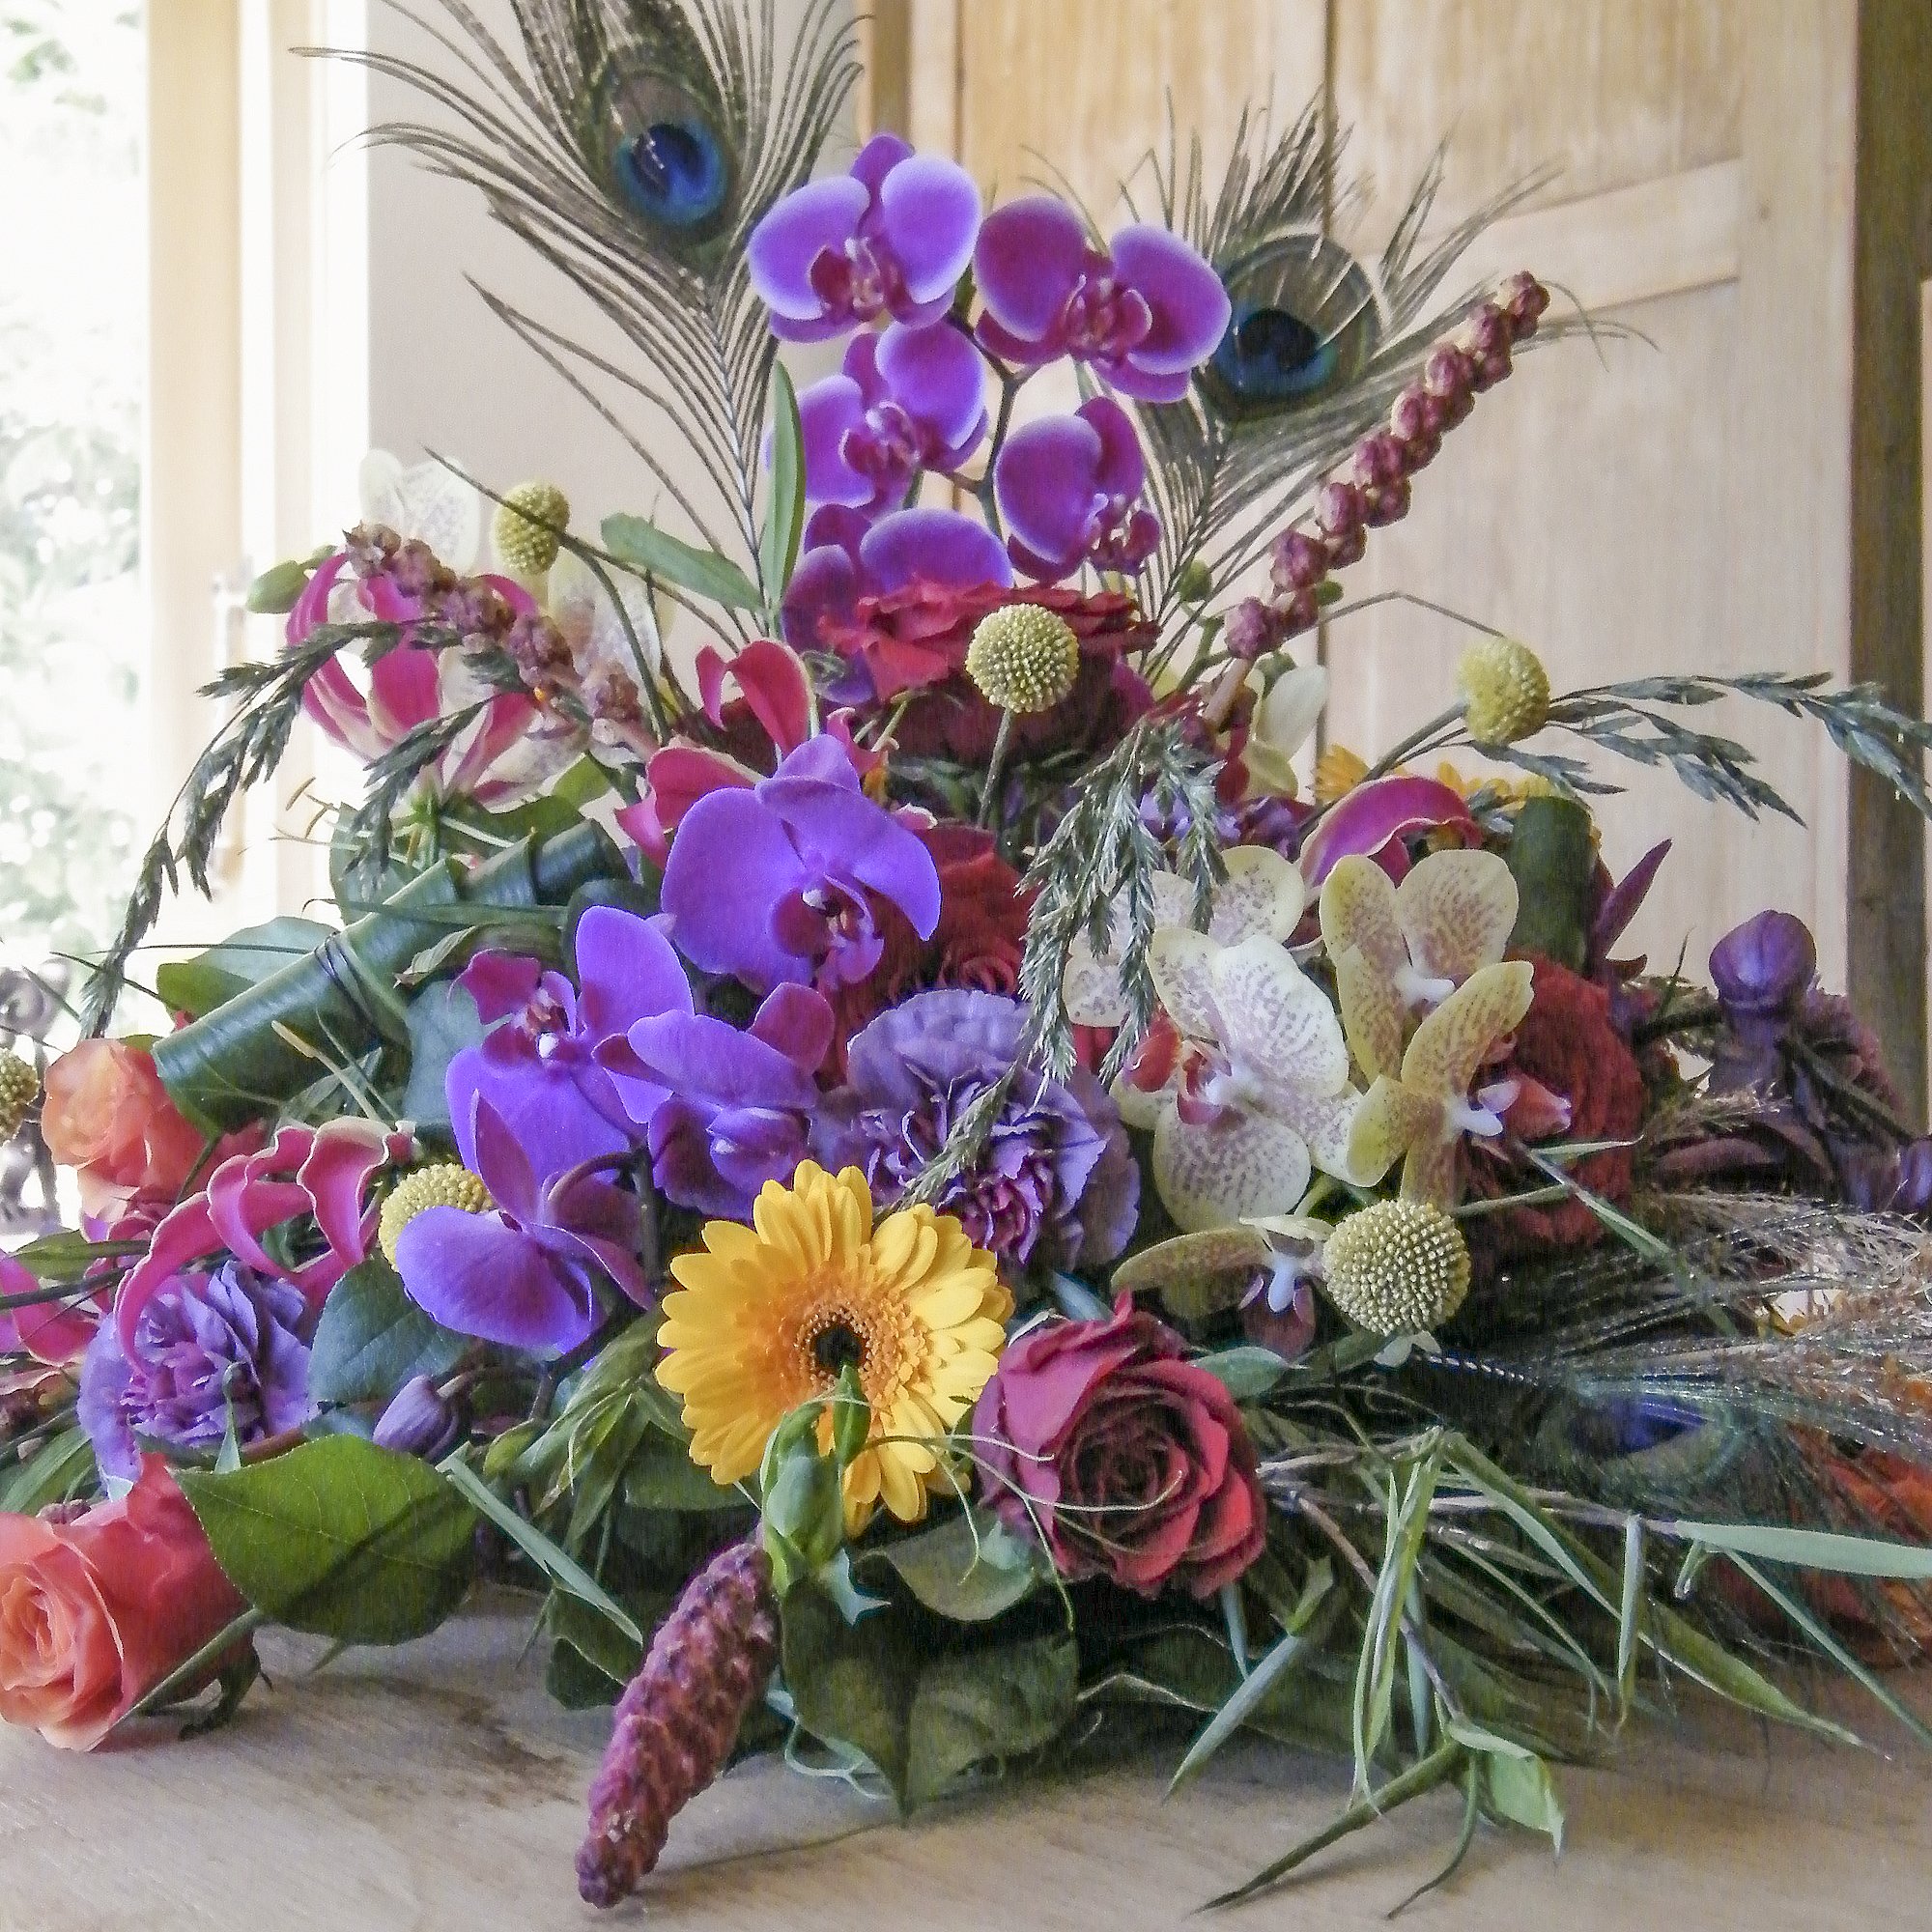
pixel 19 1088
pixel 1397 1267
pixel 444 1185
pixel 1505 691
pixel 528 549
pixel 1023 658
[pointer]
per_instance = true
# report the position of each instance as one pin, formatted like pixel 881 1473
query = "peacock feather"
pixel 634 145
pixel 1321 341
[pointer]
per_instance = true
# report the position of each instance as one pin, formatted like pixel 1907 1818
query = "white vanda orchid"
pixel 1262 894
pixel 1244 1080
pixel 1283 720
pixel 426 501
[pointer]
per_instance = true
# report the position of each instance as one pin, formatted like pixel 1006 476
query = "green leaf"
pixel 65 1256
pixel 443 1020
pixel 1519 1787
pixel 644 548
pixel 988 1706
pixel 968 1568
pixel 243 959
pixel 1554 861
pixel 279 589
pixel 1810 1548
pixel 1247 1373
pixel 61 1465
pixel 604 1649
pixel 662 1476
pixel 562 1568
pixel 850 1684
pixel 371 1338
pixel 339 1538
pixel 784 507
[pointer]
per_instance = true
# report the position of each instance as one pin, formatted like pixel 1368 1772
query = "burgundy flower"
pixel 1069 487
pixel 1141 313
pixel 890 239
pixel 1575 1077
pixel 909 400
pixel 1132 1460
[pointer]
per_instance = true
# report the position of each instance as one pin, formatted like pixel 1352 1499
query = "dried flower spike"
pixel 526 526
pixel 444 1185
pixel 1505 691
pixel 19 1088
pixel 1398 1267
pixel 680 1717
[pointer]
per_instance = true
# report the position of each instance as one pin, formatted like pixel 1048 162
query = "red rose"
pixel 976 944
pixel 1566 1050
pixel 1132 1460
pixel 94 1613
pixel 916 638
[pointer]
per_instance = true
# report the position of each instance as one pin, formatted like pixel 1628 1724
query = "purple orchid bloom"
pixel 525 1273
pixel 1142 312
pixel 1762 971
pixel 770 883
pixel 538 1067
pixel 892 238
pixel 738 1106
pixel 1069 488
pixel 911 399
pixel 846 557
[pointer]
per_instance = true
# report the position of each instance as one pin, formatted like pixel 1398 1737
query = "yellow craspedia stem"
pixel 1505 691
pixel 1023 658
pixel 444 1185
pixel 1398 1267
pixel 527 547
pixel 767 1317
pixel 19 1088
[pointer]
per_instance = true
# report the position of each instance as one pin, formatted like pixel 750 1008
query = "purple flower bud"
pixel 1298 562
pixel 1761 970
pixel 1491 370
pixel 1486 332
pixel 1388 505
pixel 1338 508
pixel 1252 630
pixel 1302 612
pixel 1381 460
pixel 1523 299
pixel 420 1420
pixel 1347 547
pixel 1447 374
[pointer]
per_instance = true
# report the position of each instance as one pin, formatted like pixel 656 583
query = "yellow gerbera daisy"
pixel 766 1317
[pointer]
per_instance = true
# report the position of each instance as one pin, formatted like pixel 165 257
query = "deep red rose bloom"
pixel 1132 1460
pixel 976 944
pixel 1568 1046
pixel 915 639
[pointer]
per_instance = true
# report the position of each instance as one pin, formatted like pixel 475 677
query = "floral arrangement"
pixel 892 1164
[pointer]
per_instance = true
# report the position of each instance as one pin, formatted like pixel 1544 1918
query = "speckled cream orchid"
pixel 1263 896
pixel 1420 1115
pixel 1284 722
pixel 1243 1080
pixel 1397 947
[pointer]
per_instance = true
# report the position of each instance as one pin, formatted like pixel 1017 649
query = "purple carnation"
pixel 208 1348
pixel 1057 1183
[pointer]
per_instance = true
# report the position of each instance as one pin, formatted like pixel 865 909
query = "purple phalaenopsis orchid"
pixel 890 239
pixel 909 400
pixel 845 559
pixel 524 1273
pixel 209 1351
pixel 537 1065
pixel 1069 488
pixel 1142 313
pixel 736 1107
pixel 771 883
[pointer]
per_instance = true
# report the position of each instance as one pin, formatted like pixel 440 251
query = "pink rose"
pixel 107 1115
pixel 1132 1460
pixel 94 1613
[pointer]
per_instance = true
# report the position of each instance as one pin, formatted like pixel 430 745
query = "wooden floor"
pixel 433 1788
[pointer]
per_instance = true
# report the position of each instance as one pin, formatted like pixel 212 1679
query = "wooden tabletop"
pixel 434 1787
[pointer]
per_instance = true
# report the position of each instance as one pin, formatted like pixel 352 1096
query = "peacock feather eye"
pixel 668 158
pixel 1304 322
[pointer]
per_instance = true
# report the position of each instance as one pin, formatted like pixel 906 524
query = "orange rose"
pixel 107 1115
pixel 96 1613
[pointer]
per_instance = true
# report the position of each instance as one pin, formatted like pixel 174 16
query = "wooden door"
pixel 1720 489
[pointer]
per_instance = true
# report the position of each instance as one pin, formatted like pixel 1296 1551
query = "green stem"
pixel 190 1675
pixel 995 769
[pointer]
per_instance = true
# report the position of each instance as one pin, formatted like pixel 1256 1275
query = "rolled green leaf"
pixel 256 1052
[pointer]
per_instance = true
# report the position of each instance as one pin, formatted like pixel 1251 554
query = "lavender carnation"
pixel 1057 1183
pixel 208 1347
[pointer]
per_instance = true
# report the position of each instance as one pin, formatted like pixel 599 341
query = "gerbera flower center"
pixel 838 1346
